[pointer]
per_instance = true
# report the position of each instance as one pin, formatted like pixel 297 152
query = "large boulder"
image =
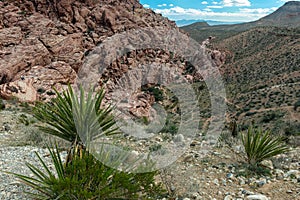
pixel 21 89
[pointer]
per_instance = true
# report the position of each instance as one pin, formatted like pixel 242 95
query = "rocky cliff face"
pixel 46 41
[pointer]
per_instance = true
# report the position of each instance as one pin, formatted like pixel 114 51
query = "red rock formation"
pixel 47 39
pixel 21 89
pixel 43 44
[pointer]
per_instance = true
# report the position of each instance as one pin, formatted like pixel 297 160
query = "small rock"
pixel 173 188
pixel 242 181
pixel 246 192
pixel 7 195
pixel 267 163
pixel 179 138
pixel 188 158
pixel 194 143
pixel 261 183
pixel 228 197
pixel 293 173
pixel 279 174
pixel 215 153
pixel 257 197
pixel 238 148
pixel 289 191
pixel 7 127
pixel 158 139
pixel 223 181
pixel 229 175
pixel 132 156
pixel 216 181
pixel 196 196
pixel 286 167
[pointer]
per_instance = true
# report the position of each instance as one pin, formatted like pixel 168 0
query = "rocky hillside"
pixel 261 69
pixel 263 78
pixel 43 43
pixel 286 16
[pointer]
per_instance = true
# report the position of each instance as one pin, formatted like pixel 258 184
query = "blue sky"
pixel 218 10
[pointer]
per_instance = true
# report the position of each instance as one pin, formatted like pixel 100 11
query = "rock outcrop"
pixel 46 41
pixel 21 89
pixel 43 45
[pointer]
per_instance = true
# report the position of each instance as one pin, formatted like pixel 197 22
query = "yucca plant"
pixel 81 120
pixel 77 118
pixel 87 178
pixel 260 145
pixel 67 113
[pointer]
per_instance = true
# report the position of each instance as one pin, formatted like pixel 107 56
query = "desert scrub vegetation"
pixel 260 145
pixel 257 146
pixel 87 178
pixel 79 118
pixel 2 104
pixel 296 105
pixel 59 114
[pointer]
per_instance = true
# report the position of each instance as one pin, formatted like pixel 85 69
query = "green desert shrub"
pixel 292 128
pixel 2 104
pixel 297 105
pixel 77 118
pixel 155 91
pixel 226 139
pixel 82 176
pixel 260 145
pixel 23 119
pixel 87 178
pixel 60 114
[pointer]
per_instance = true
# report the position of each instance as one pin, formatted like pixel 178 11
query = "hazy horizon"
pixel 225 11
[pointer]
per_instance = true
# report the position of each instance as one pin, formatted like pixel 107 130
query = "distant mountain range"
pixel 185 22
pixel 286 16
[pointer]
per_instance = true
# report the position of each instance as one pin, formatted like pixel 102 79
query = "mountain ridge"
pixel 186 22
pixel 287 15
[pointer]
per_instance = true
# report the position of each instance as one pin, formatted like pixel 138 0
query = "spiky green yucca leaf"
pixel 69 115
pixel 260 145
pixel 86 178
pixel 43 179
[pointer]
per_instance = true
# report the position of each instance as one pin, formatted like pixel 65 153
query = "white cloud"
pixel 204 2
pixel 258 10
pixel 215 3
pixel 214 6
pixel 243 15
pixel 283 0
pixel 146 6
pixel 207 9
pixel 171 5
pixel 239 3
pixel 162 5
